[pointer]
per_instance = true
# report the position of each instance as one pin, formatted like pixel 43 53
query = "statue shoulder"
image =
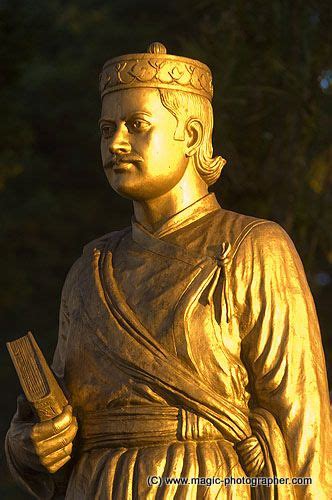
pixel 264 241
pixel 81 268
pixel 235 226
pixel 107 239
pixel 252 234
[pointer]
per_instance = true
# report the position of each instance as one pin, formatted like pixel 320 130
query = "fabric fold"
pixel 148 361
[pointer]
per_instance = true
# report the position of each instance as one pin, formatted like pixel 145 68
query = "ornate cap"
pixel 156 69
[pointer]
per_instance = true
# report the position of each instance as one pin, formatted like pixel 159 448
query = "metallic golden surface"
pixel 188 342
pixel 156 69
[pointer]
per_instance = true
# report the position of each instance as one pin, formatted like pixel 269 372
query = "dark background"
pixel 273 83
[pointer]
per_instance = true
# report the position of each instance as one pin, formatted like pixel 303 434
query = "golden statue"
pixel 189 346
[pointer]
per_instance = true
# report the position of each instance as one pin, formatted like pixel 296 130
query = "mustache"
pixel 116 159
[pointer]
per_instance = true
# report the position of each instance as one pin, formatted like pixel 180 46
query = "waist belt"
pixel 142 425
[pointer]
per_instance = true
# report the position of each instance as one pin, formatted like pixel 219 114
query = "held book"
pixel 37 380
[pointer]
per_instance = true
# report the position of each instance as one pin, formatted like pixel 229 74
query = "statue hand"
pixel 45 445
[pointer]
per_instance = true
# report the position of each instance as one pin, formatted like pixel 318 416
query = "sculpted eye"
pixel 138 125
pixel 107 131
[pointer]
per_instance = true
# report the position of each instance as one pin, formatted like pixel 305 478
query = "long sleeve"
pixel 282 350
pixel 40 484
pixel 59 358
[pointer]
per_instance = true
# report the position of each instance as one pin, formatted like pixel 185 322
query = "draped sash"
pixel 122 337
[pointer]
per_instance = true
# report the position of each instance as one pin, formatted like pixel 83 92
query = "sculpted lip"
pixel 122 164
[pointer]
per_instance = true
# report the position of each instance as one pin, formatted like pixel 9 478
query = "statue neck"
pixel 153 213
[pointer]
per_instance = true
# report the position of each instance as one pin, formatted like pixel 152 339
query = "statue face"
pixel 141 158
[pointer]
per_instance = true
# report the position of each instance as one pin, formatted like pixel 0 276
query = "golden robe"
pixel 178 346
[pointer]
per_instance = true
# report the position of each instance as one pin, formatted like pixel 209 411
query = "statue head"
pixel 156 111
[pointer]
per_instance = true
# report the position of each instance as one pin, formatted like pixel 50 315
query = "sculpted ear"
pixel 194 133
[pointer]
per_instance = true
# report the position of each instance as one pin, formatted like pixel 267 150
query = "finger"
pixel 55 467
pixel 45 430
pixel 57 442
pixel 55 457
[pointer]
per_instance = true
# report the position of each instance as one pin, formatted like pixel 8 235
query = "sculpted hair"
pixel 185 106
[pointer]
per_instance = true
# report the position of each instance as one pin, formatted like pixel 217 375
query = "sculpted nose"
pixel 119 142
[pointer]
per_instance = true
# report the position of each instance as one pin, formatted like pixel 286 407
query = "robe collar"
pixel 188 215
pixel 154 241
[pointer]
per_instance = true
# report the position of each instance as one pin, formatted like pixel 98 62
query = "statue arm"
pixel 35 479
pixel 283 352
